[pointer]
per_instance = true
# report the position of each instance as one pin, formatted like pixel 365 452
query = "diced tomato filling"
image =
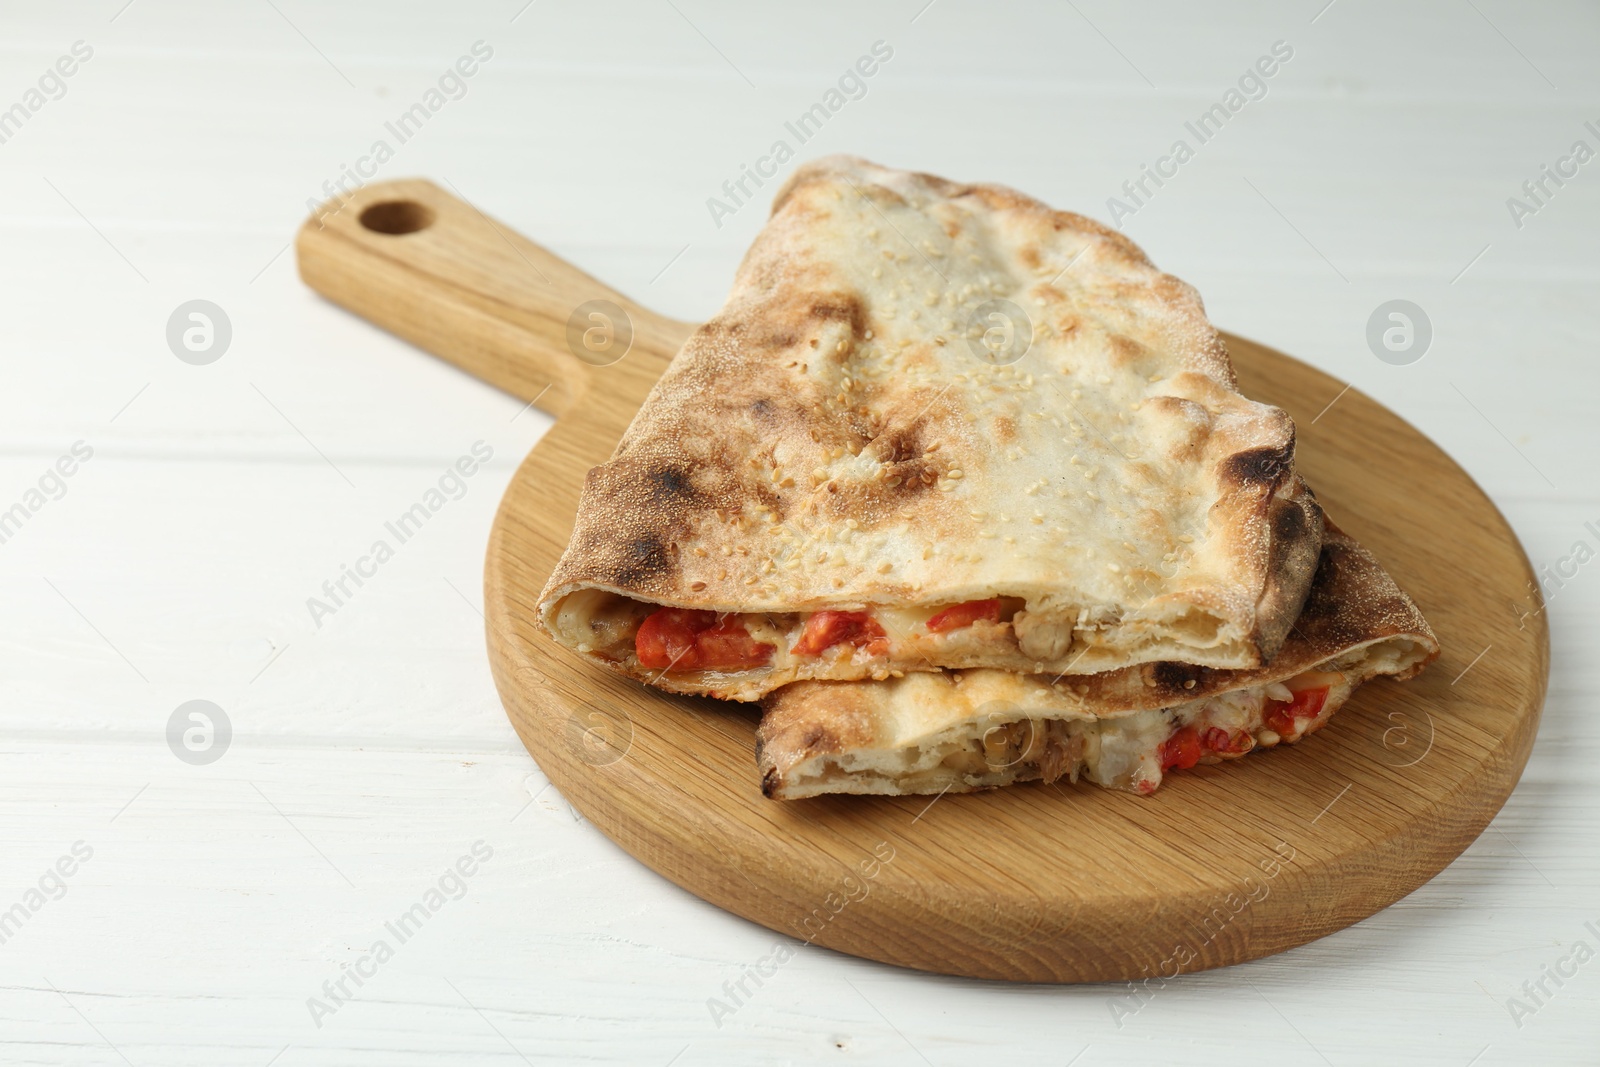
pixel 1182 750
pixel 958 616
pixel 1281 715
pixel 729 646
pixel 1216 739
pixel 828 628
pixel 1187 745
pixel 667 637
pixel 688 640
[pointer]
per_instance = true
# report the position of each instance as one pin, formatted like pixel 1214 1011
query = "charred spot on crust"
pixel 844 308
pixel 769 782
pixel 1324 598
pixel 899 446
pixel 669 486
pixel 642 557
pixel 762 408
pixel 903 454
pixel 1289 523
pixel 819 739
pixel 1264 466
pixel 1176 678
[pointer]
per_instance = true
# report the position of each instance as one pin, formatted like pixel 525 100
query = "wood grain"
pixel 1038 883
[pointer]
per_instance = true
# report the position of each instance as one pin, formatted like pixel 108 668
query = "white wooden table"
pixel 370 753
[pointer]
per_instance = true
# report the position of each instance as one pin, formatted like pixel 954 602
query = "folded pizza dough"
pixel 938 426
pixel 961 731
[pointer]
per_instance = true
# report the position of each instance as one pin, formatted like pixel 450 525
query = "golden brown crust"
pixel 1355 618
pixel 831 440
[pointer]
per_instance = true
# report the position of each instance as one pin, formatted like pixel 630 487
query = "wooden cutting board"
pixel 1045 883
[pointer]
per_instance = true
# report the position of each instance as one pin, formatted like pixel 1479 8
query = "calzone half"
pixel 938 426
pixel 960 731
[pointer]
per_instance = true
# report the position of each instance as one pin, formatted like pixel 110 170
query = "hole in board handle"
pixel 397 217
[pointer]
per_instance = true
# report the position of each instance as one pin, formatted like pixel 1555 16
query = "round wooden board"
pixel 1054 883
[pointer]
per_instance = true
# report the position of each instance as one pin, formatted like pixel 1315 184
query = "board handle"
pixel 430 267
